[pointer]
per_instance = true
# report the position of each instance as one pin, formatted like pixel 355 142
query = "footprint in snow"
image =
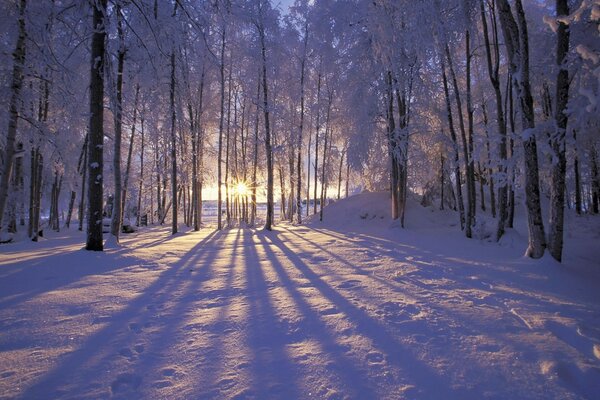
pixel 349 284
pixel 397 313
pixel 127 353
pixel 162 384
pixel 329 311
pixel 125 383
pixel 7 374
pixel 375 357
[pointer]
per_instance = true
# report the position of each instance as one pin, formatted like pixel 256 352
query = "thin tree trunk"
pixel 347 176
pixel 469 215
pixel 255 161
pixel 129 153
pixel 141 182
pixel 339 192
pixel 324 162
pixel 115 227
pixel 577 176
pixel 173 147
pixel 459 196
pixel 221 120
pixel 317 140
pixel 301 132
pixel 595 179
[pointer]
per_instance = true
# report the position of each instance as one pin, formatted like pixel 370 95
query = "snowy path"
pixel 296 313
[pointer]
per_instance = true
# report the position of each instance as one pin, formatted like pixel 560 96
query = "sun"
pixel 241 189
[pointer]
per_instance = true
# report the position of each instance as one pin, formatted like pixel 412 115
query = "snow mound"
pixel 373 210
pixel 367 208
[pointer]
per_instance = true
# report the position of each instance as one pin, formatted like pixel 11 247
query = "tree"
pixel 96 129
pixel 517 47
pixel 17 83
pixel 558 140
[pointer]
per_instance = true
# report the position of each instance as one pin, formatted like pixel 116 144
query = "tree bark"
pixel 559 167
pixel 301 130
pixel 221 120
pixel 96 139
pixel 268 148
pixel 13 110
pixel 129 153
pixel 115 226
pixel 459 196
pixel 173 147
pixel 516 40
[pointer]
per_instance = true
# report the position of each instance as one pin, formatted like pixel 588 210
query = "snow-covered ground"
pixel 353 307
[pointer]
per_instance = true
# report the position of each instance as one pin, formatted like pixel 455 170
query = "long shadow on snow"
pixel 272 371
pixel 430 384
pixel 51 272
pixel 350 377
pixel 178 329
pixel 77 371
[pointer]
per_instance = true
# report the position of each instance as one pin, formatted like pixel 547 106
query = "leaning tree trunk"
pixel 96 138
pixel 13 110
pixel 559 167
pixel 459 196
pixel 461 121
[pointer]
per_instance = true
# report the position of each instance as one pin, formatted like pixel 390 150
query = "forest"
pixel 299 198
pixel 154 103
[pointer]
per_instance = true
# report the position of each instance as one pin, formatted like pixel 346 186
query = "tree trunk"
pixel 301 131
pixel 115 226
pixel 577 174
pixel 595 179
pixel 129 153
pixel 516 40
pixel 317 140
pixel 13 110
pixel 469 215
pixel 141 182
pixel 559 167
pixel 173 147
pixel 255 161
pixel 268 149
pixel 96 138
pixel 221 120
pixel 459 196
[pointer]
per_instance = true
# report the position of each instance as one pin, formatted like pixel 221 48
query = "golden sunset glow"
pixel 241 189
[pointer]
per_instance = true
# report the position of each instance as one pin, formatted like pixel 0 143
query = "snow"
pixel 353 307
